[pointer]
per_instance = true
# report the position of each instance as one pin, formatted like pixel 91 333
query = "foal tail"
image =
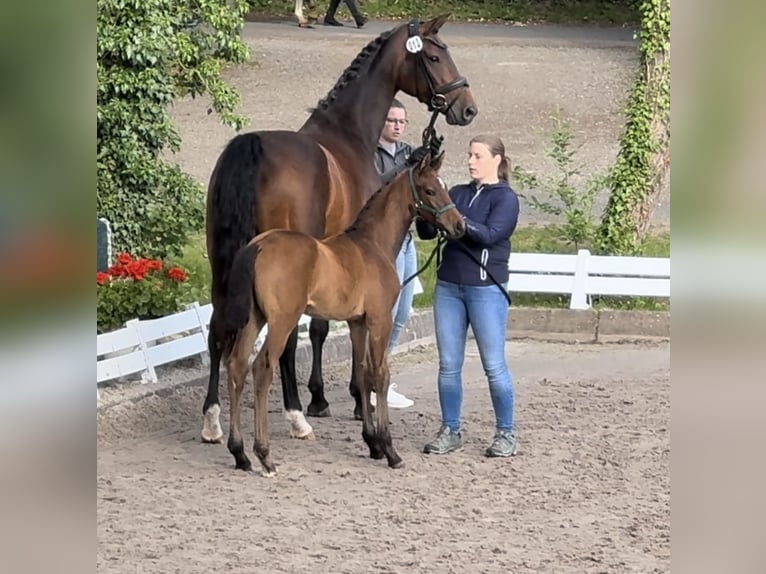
pixel 240 295
pixel 232 203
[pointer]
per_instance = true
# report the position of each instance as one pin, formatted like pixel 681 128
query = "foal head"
pixel 430 74
pixel 432 201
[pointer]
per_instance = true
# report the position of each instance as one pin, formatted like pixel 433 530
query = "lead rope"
pixel 440 242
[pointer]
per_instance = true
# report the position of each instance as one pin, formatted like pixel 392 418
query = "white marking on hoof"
pixel 299 427
pixel 268 474
pixel 211 428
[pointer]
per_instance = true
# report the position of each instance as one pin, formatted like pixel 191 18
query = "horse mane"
pixel 360 64
pixel 366 207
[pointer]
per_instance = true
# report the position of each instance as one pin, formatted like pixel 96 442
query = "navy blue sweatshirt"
pixel 491 212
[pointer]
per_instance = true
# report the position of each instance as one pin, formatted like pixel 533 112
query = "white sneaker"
pixel 395 400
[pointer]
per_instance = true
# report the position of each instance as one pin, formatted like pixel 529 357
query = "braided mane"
pixel 359 65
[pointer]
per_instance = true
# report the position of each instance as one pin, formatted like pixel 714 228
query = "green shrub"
pixel 567 195
pixel 150 53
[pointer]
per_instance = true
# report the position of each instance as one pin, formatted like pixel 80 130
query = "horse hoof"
pixel 299 428
pixel 396 464
pixel 245 465
pixel 212 432
pixel 319 412
pixel 208 438
pixel 268 473
pixel 309 436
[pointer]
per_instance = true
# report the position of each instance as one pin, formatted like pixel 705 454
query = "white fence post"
pixel 579 298
pixel 204 356
pixel 149 376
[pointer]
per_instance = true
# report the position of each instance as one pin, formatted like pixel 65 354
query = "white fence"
pixel 141 346
pixel 584 275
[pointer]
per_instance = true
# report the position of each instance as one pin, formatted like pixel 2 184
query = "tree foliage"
pixel 149 54
pixel 642 167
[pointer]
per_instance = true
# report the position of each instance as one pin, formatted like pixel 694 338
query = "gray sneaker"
pixel 445 441
pixel 504 444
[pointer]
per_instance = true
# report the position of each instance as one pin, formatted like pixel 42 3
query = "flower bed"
pixel 137 288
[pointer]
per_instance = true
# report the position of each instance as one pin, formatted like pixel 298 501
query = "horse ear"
pixel 432 26
pixel 436 163
pixel 425 162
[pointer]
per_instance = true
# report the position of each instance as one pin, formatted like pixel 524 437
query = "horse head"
pixel 432 201
pixel 429 73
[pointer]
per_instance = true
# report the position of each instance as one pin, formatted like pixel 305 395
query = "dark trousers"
pixel 352 7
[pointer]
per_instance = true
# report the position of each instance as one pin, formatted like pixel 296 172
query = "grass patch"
pixel 599 12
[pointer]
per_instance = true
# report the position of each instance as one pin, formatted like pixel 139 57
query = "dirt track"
pixel 588 493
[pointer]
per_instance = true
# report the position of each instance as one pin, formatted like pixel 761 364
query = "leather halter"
pixel 422 207
pixel 438 101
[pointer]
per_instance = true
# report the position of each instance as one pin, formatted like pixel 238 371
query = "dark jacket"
pixel 491 213
pixel 388 165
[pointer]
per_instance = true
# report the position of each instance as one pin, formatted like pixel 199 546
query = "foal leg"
pixel 211 410
pixel 263 374
pixel 358 332
pixel 380 334
pixel 237 376
pixel 318 407
pixel 299 427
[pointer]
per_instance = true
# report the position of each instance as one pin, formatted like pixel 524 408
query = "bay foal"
pixel 350 276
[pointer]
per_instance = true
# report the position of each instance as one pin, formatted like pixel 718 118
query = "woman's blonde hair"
pixel 496 147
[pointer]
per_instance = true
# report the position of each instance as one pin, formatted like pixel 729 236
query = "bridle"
pixel 421 207
pixel 438 102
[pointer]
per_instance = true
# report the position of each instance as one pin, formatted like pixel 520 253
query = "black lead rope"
pixel 440 241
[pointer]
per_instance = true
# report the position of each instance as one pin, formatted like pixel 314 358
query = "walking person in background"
pixel 466 295
pixel 359 18
pixel 393 156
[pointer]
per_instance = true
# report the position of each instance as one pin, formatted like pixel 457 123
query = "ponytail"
pixel 504 169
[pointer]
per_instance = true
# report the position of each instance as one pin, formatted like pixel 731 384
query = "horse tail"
pixel 240 294
pixel 232 204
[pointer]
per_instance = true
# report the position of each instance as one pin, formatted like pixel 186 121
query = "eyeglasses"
pixel 395 121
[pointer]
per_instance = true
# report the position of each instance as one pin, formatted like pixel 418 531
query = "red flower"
pixel 177 274
pixel 101 278
pixel 153 264
pixel 124 258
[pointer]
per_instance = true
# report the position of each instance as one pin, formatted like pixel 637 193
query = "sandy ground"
pixel 588 493
pixel 519 77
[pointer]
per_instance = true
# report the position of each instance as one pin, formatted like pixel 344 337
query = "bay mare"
pixel 317 179
pixel 351 276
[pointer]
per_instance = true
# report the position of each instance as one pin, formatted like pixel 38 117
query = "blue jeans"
pixel 486 310
pixel 406 266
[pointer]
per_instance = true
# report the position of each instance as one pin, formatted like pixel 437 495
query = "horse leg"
pixel 237 375
pixel 318 407
pixel 211 410
pixel 263 374
pixel 299 13
pixel 358 332
pixel 312 15
pixel 299 427
pixel 378 360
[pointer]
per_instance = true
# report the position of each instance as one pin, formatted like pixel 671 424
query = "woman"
pixel 466 295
